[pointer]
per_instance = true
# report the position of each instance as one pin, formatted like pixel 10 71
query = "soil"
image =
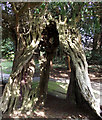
pixel 58 108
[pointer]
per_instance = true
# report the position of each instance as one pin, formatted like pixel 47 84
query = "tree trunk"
pixel 18 88
pixel 67 61
pixel 80 91
pixel 44 78
pixel 80 87
pixel 96 45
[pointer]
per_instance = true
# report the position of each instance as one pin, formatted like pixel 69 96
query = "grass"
pixel 6 66
pixel 56 88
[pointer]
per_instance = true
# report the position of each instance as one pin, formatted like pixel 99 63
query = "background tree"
pixel 91 26
pixel 8 32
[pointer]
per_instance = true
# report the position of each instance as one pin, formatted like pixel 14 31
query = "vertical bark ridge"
pixel 23 64
pixel 82 87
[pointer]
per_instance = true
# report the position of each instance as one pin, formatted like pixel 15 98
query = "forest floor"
pixel 56 107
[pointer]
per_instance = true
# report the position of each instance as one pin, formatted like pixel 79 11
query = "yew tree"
pixel 19 90
pixel 45 30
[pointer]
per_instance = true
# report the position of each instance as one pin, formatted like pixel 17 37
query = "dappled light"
pixel 60 73
pixel 44 69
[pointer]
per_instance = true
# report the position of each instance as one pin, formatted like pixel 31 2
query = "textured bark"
pixel 80 90
pixel 44 78
pixel 80 86
pixel 28 30
pixel 18 92
pixel 18 89
pixel 19 85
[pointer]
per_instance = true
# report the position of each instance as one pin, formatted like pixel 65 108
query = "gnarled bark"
pixel 19 85
pixel 18 92
pixel 80 87
pixel 18 88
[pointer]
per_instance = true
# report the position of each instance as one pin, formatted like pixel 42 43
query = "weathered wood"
pixel 19 86
pixel 80 87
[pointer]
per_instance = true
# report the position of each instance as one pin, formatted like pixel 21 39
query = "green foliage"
pixel 7 49
pixel 95 59
pixel 88 54
pixel 89 14
pixel 100 60
pixel 90 18
pixel 43 5
pixel 59 8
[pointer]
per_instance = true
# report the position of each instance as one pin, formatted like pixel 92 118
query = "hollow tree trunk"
pixel 80 87
pixel 48 47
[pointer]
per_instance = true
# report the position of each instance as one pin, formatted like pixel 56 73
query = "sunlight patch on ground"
pixel 40 113
pixel 19 114
pixel 64 75
pixel 92 75
pixel 64 87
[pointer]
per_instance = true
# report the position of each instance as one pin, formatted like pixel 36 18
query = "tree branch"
pixel 14 8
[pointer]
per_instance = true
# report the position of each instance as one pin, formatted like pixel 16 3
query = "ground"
pixel 56 107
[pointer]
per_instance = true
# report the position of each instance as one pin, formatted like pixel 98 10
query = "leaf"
pixel 43 5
